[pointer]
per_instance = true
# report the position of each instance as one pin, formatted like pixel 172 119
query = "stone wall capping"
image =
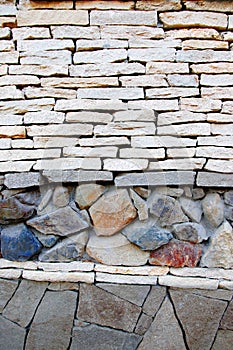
pixel 131 270
pixel 39 276
pixel 186 282
pixel 10 273
pixel 66 267
pixel 123 279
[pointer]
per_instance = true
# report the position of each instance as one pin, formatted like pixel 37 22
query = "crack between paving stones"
pixel 228 303
pixel 179 322
pixel 139 316
pixel 75 313
pixel 12 296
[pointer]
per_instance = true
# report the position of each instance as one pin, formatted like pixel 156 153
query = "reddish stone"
pixel 177 254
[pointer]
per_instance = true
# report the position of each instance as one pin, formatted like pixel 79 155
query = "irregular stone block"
pixel 30 33
pixel 22 180
pixel 53 321
pixel 211 68
pixel 166 68
pixel 227 320
pixel 204 45
pixel 143 324
pixel 61 196
pixel 80 176
pixel 147 18
pixel 112 212
pixel 62 57
pixel 152 54
pixel 19 309
pixel 190 231
pixel 210 5
pixel 220 251
pixel 122 279
pixel 93 337
pixel 171 92
pixel 160 5
pixel 12 336
pixel 126 32
pixel 213 208
pixel 111 93
pixel 13 210
pixel 211 179
pixel 7 290
pixel 116 250
pixel 100 56
pixel 88 194
pixel 61 222
pixel 176 254
pixel 191 208
pixel 223 340
pixel 125 164
pixel 105 309
pixel 228 197
pixel 140 205
pixel 102 5
pixel 154 300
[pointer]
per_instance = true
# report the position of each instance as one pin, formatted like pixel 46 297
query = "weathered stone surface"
pixel 126 32
pixel 190 129
pixel 199 317
pixel 125 164
pixel 74 277
pixel 81 175
pixel 160 5
pixel 143 324
pixel 164 332
pixel 67 250
pixel 93 337
pixel 12 336
pixel 147 235
pixel 228 197
pixel 30 33
pixel 186 282
pixel 154 300
pixel 204 45
pixel 152 54
pixel 108 56
pixel 223 340
pixel 166 67
pixel 123 279
pixel 133 294
pixel 213 208
pixel 112 212
pixel 206 273
pixel 15 132
pixel 227 320
pixel 53 321
pixel 211 68
pixel 166 209
pixel 7 290
pixel 86 195
pixel 105 309
pixel 111 93
pixel 176 254
pixel 214 179
pixel 220 251
pixel 22 306
pixel 191 208
pixel 134 270
pixel 61 196
pixel 62 57
pixel 185 19
pixel 200 105
pixel 116 250
pixel 102 5
pixel 12 274
pixel 13 210
pixel 47 241
pixel 190 231
pixel 123 18
pixel 19 243
pixel 109 69
pixel 171 92
pixel 210 5
pixel 62 222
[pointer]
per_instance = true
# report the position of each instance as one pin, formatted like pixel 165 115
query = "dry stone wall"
pixel 116 125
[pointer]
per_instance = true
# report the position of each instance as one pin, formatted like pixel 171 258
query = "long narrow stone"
pixel 186 282
pixel 123 279
pixel 86 277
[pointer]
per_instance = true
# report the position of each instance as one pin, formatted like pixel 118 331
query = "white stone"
pixel 30 33
pixel 103 5
pixel 75 32
pixel 19 80
pixel 5 143
pixel 9 57
pixel 161 5
pixel 146 43
pixel 125 129
pixel 87 45
pixel 45 117
pixel 111 93
pixel 213 68
pixel 3 69
pixel 5 33
pixel 146 80
pixel 60 130
pixel 226 285
pixel 6 45
pixel 200 105
pixel 125 164
pixel 88 117
pixel 227 107
pixel 53 142
pixel 222 129
pixel 22 180
pixel 53 4
pixel 171 92
pixel 215 141
pixel 18 154
pixel 97 152
pixel 189 129
pixel 68 164
pixel 215 273
pixel 195 56
pixel 140 115
pixel 122 279
pixel 39 276
pixel 210 5
pixel 79 82
pixel 126 32
pixel 44 45
pixel 221 166
pixel 104 141
pixel 152 54
pixel 7 10
pixel 166 67
pixel 157 105
pixel 183 80
pixel 214 152
pixel 230 26
pixel 100 56
pixel 181 152
pixel 204 45
pixel 74 105
pixel 133 270
pixel 219 118
pixel 161 141
pixel 217 80
pixel 178 164
pixel 180 117
pixel 156 153
pixel 217 92
pixel 11 274
pixel 10 93
pixel 24 143
pixel 213 179
pixel 59 17
pixel 67 267
pixel 15 132
pixel 25 265
pixel 62 57
pixel 108 69
pixel 31 92
pixel 193 33
pixel 38 70
pixel 16 166
pixel 148 18
pixel 186 282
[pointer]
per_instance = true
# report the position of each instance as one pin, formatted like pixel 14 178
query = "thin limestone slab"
pixel 186 282
pixel 131 270
pixel 123 279
pixel 86 277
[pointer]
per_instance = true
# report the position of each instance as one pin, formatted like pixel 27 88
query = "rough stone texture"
pixel 22 306
pixel 116 250
pixel 223 341
pixel 191 208
pixel 119 313
pixel 13 210
pixel 220 251
pixel 62 222
pixel 154 300
pixel 19 243
pixel 86 195
pixel 12 336
pixel 93 337
pixel 177 254
pixel 112 212
pixel 213 209
pixel 190 231
pixel 7 290
pixel 227 320
pixel 164 332
pixel 53 315
pixel 199 317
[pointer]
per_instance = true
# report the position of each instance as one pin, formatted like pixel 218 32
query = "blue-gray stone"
pixel 19 243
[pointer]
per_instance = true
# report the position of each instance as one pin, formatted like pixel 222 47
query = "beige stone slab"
pixel 45 45
pixel 185 19
pixel 79 82
pixel 38 70
pixel 123 279
pixel 8 155
pixel 166 68
pixel 215 141
pixel 213 68
pixel 171 92
pixel 186 282
pixel 125 129
pixel 75 32
pixel 111 93
pixel 157 153
pixel 190 129
pixel 85 277
pixel 27 265
pixel 5 144
pixel 87 45
pixel 180 117
pixel 214 152
pixel 3 69
pixel 213 179
pixel 59 17
pixel 228 36
pixel 16 166
pixel 194 33
pixel 145 115
pixel 217 92
pixel 221 166
pixel 88 117
pixel 160 5
pixel 60 130
pixel 131 270
pixel 31 92
pixel 126 32
pixel 108 69
pixel 103 105
pixel 10 93
pixel 199 56
pixel 125 164
pixel 183 80
pixel 7 10
pixel 152 54
pixel 52 4
pixel 181 152
pixel 227 107
pixel 219 118
pixel 146 43
pixel 100 56
pixel 44 117
pixel 104 141
pixel 6 45
pixel 68 164
pixel 19 80
pixel 162 141
pixel 5 33
pixel 157 105
pixel 9 57
pixel 178 164
pixel 97 152
pixel 24 143
pixel 52 142
pixel 21 107
pixel 11 274
pixel 200 105
pixel 226 285
pixel 8 21
pixel 66 267
pixel 204 45
pixel 146 18
pixel 15 132
pixel 45 58
pixel 217 80
pixel 203 272
pixel 104 5
pixel 210 5
pixel 30 33
pixel 144 80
